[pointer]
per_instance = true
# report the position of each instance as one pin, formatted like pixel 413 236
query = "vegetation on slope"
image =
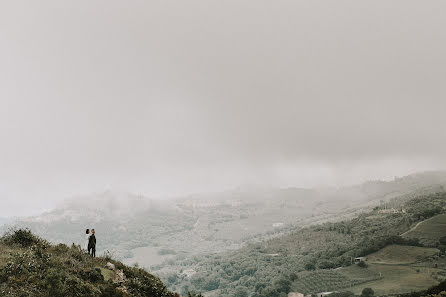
pixel 30 266
pixel 429 230
pixel 281 265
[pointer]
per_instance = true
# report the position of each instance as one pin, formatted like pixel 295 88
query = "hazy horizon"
pixel 121 193
pixel 167 98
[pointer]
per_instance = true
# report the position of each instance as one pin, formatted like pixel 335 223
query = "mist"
pixel 168 98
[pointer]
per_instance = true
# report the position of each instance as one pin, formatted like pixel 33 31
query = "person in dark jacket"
pixel 92 244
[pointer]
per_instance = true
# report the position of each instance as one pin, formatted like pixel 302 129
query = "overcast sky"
pixel 170 97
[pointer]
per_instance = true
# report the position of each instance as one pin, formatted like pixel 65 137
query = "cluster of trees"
pixel 268 269
pixel 424 207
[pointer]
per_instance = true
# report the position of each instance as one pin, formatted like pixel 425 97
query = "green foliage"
pixel 54 282
pixel 363 264
pixel 311 254
pixel 367 292
pixel 425 207
pixel 38 269
pixel 309 266
pixel 21 237
pixel 92 275
pixel 439 289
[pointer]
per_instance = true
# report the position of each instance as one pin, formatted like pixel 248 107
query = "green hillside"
pixel 31 267
pixel 429 231
pixel 401 254
pixel 319 258
pixel 397 279
pixel 328 280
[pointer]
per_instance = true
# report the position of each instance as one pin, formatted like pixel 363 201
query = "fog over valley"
pixel 170 99
pixel 209 148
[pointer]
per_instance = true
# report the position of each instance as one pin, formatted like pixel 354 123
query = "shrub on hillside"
pixel 91 275
pixel 363 264
pixel 309 266
pixel 21 237
pixel 367 292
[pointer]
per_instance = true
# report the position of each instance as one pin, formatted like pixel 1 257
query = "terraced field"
pixel 389 271
pixel 429 231
pixel 327 280
pixel 358 273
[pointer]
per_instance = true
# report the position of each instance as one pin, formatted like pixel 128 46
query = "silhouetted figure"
pixel 92 244
pixel 87 239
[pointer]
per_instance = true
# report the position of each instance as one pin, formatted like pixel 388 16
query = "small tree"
pixel 362 264
pixel 367 292
pixel 309 266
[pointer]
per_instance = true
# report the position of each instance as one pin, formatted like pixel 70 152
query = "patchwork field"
pixel 326 280
pixel 400 254
pixel 395 274
pixel 429 231
pixel 391 270
pixel 398 279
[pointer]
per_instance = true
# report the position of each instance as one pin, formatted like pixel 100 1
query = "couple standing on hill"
pixel 90 244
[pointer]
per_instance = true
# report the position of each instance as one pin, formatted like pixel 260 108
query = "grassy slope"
pixel 332 243
pixel 388 272
pixel 396 275
pixel 39 269
pixel 430 230
pixel 400 254
pixel 397 279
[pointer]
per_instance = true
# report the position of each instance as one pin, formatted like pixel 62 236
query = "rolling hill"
pixel 428 231
pixel 137 229
pixel 319 258
pixel 30 266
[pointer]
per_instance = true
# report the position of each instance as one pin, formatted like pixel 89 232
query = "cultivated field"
pixel 326 280
pixel 398 279
pixel 389 271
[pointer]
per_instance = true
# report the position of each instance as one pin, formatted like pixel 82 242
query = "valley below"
pixel 248 242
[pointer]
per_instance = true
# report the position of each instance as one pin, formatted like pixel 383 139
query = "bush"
pixel 92 275
pixel 367 292
pixel 309 266
pixel 363 264
pixel 22 237
pixel 54 281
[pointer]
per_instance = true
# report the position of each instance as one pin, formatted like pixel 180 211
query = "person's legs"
pixel 93 252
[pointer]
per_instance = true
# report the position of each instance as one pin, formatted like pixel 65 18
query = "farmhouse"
pixel 360 259
pixel 295 294
pixel 323 294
